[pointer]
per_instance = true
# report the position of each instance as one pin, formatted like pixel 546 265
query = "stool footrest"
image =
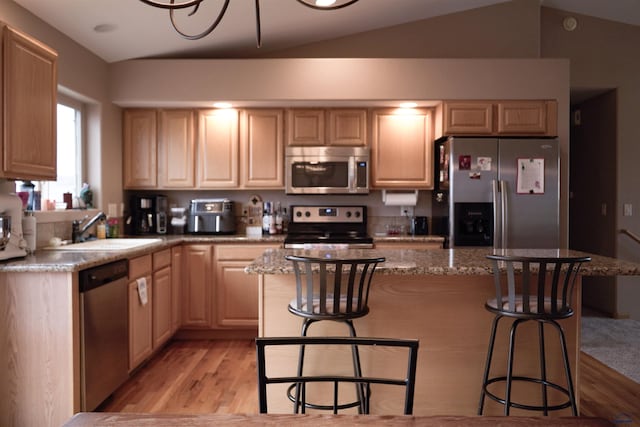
pixel 555 386
pixel 309 405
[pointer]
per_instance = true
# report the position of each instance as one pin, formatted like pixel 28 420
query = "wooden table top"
pixel 94 419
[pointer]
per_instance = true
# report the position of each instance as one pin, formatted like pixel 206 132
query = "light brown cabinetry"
pixel 514 118
pixel 261 148
pixel 176 287
pixel 236 296
pixel 402 149
pixel 347 126
pixel 140 148
pixel 140 314
pixel 176 149
pixel 218 149
pixel 162 297
pixel 408 245
pixel 197 285
pixel 28 107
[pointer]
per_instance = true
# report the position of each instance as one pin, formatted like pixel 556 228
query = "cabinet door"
pixel 161 306
pixel 140 149
pixel 261 148
pixel 402 149
pixel 176 149
pixel 197 285
pixel 468 118
pixel 29 101
pixel 305 127
pixel 218 148
pixel 527 118
pixel 347 127
pixel 176 287
pixel 140 324
pixel 236 291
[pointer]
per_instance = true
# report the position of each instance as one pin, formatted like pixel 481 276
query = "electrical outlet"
pixel 406 211
pixel 628 209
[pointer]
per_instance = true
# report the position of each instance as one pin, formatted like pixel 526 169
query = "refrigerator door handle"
pixel 496 215
pixel 503 212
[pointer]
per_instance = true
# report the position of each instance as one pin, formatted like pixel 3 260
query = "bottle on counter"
pixel 101 229
pixel 29 231
pixel 272 220
pixel 278 220
pixel 266 217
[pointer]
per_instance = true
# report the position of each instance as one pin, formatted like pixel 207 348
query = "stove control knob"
pixel 357 214
pixel 298 214
pixel 348 214
pixel 307 214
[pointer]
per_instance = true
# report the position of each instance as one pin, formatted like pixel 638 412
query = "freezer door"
pixel 473 166
pixel 532 219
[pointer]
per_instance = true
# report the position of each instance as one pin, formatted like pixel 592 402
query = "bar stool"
pixel 334 289
pixel 542 299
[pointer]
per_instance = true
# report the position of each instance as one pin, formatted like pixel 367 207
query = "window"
pixel 69 156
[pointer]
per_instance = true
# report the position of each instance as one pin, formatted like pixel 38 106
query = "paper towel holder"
pixel 400 198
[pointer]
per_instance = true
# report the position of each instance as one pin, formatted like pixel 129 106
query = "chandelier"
pixel 174 5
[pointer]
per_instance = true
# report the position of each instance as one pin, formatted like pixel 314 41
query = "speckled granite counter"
pixel 437 262
pixel 45 260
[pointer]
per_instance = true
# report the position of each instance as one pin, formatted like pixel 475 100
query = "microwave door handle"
pixel 352 174
pixel 496 215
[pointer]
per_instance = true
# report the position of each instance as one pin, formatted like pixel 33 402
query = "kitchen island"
pixel 436 296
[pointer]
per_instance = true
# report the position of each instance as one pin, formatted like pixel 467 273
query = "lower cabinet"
pixel 140 313
pixel 216 292
pixel 408 245
pixel 162 297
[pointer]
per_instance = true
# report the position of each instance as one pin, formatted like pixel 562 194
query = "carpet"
pixel 614 342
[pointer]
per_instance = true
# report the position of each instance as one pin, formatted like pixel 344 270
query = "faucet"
pixel 77 233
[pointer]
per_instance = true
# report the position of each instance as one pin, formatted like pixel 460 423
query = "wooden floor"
pixel 220 377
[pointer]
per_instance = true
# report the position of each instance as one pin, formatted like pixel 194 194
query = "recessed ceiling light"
pixel 408 105
pixel 104 28
pixel 222 105
pixel 325 3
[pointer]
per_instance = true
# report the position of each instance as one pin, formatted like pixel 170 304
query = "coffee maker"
pixel 147 215
pixel 12 243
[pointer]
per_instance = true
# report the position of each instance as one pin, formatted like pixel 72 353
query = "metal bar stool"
pixel 543 298
pixel 334 289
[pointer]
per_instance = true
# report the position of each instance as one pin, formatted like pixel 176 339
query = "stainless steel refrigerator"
pixel 503 193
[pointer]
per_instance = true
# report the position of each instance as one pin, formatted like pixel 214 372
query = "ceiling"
pixel 132 29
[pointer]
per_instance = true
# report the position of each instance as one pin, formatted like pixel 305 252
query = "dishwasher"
pixel 104 331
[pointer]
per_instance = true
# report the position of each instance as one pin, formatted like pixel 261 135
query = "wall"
pixel 603 55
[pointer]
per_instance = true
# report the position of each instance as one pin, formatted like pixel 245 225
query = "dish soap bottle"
pixel 101 230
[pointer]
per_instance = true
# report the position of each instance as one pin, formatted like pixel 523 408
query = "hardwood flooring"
pixel 219 377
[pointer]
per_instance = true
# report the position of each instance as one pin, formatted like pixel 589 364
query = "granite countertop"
pixel 471 261
pixel 46 260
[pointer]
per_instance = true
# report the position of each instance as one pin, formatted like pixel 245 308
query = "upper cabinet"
pixel 262 148
pixel 140 149
pixel 402 148
pixel 346 126
pixel 28 108
pixel 176 149
pixel 218 148
pixel 512 118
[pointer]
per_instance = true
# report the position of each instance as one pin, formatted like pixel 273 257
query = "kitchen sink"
pixel 106 245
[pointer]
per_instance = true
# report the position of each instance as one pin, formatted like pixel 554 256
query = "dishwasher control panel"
pixel 102 274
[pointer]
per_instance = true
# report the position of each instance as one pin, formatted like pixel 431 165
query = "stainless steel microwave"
pixel 327 170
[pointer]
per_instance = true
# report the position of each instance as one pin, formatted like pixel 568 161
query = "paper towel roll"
pixel 400 198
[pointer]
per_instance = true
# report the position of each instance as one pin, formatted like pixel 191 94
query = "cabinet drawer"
pixel 139 266
pixel 161 259
pixel 241 252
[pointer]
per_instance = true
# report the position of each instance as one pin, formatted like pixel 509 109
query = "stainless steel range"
pixel 318 227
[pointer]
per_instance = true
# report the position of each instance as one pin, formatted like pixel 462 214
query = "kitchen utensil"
pixel 5 231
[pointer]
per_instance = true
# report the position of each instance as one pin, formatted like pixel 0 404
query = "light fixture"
pixel 174 5
pixel 408 105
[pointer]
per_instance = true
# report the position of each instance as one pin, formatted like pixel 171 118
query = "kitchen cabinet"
pixel 140 149
pixel 314 127
pixel 176 149
pixel 140 314
pixel 176 287
pixel 261 148
pixel 28 108
pixel 514 118
pixel 197 286
pixel 218 148
pixel 408 245
pixel 236 296
pixel 402 148
pixel 162 296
